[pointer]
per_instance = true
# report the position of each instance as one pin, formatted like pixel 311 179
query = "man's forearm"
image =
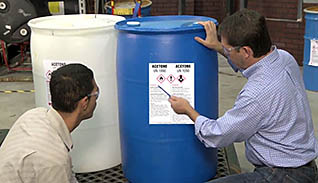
pixel 193 114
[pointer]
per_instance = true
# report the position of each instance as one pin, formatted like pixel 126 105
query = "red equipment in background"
pixel 15 33
pixel 24 54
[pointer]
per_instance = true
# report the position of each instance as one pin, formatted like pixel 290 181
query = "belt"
pixel 311 163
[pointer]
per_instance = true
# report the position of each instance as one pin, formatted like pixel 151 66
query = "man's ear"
pixel 83 103
pixel 247 52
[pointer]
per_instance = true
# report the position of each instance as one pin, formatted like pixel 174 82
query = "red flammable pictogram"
pixel 161 78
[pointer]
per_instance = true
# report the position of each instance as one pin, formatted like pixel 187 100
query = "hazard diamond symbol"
pixel 161 78
pixel 171 78
pixel 48 75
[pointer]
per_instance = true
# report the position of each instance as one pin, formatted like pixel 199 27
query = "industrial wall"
pixel 285 31
pixel 211 8
pixel 285 35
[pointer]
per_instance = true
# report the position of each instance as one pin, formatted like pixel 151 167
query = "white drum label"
pixel 50 66
pixel 313 53
pixel 167 79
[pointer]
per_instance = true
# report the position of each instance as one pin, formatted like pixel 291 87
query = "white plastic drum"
pixel 92 41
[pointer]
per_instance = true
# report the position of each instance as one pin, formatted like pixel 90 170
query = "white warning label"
pixel 313 53
pixel 166 79
pixel 50 66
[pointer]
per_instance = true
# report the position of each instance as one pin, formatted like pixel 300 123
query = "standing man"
pixel 36 150
pixel 271 113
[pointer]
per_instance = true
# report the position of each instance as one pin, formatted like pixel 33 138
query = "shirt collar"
pixel 261 63
pixel 59 125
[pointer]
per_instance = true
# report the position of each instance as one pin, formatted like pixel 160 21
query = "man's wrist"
pixel 219 48
pixel 192 113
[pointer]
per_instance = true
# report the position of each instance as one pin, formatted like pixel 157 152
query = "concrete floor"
pixel 230 83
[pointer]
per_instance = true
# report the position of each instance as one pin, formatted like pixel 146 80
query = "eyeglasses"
pixel 228 50
pixel 94 94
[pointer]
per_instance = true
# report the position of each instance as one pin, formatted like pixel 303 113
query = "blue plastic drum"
pixel 310 63
pixel 164 153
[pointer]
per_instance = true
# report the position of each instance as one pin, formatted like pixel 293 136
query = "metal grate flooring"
pixel 115 174
pixel 223 166
pixel 112 175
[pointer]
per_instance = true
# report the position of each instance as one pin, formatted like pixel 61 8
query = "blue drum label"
pixel 165 80
pixel 313 53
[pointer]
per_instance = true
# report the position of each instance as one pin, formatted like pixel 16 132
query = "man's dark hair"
pixel 68 85
pixel 247 28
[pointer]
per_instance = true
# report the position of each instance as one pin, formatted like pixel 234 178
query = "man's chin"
pixel 87 117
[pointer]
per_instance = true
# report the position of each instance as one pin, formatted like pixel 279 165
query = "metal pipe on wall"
pixel 243 4
pixel 96 4
pixel 230 9
pixel 181 7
